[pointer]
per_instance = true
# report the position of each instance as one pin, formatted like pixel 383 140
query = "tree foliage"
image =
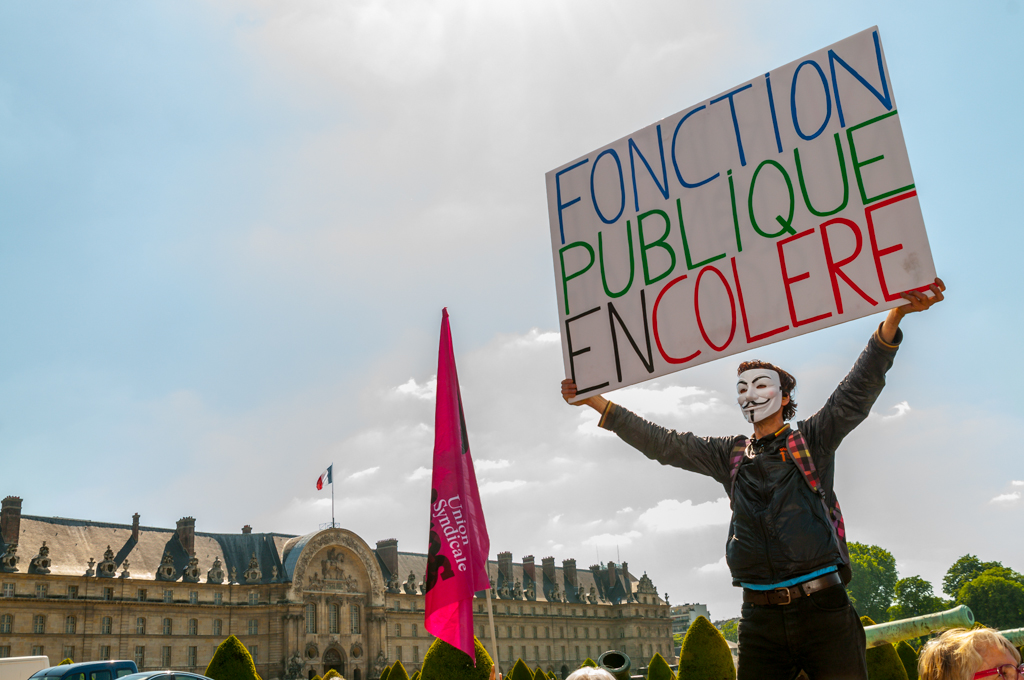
pixel 995 601
pixel 908 656
pixel 963 571
pixel 658 669
pixel 331 674
pixel 520 671
pixel 231 661
pixel 385 674
pixel 730 629
pixel 539 674
pixel 914 597
pixel 873 586
pixel 705 654
pixel 444 662
pixel 398 672
pixel 883 661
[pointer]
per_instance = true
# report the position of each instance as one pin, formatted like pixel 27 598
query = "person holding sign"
pixel 787 544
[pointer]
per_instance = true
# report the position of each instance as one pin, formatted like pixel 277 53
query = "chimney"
pixel 187 534
pixel 505 566
pixel 246 529
pixel 613 575
pixel 135 527
pixel 10 519
pixel 387 551
pixel 529 569
pixel 569 570
pixel 548 566
pixel 595 569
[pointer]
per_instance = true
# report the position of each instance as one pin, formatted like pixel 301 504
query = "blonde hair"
pixel 588 673
pixel 957 653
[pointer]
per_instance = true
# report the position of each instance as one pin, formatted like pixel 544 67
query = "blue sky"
pixel 227 232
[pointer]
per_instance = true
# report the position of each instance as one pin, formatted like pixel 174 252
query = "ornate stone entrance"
pixel 334 659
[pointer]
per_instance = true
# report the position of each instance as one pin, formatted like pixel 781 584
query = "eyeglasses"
pixel 1006 672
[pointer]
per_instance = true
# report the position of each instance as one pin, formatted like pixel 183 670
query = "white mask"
pixel 759 393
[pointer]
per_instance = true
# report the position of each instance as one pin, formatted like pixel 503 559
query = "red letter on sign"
pixel 743 311
pixel 657 337
pixel 799 277
pixel 836 268
pixel 696 307
pixel 889 297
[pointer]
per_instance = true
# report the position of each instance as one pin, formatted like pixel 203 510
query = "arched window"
pixel 311 619
pixel 254 627
pixel 106 624
pixel 217 626
pixel 167 626
pixel 333 615
pixel 6 623
pixel 70 624
pixel 193 627
pixel 354 615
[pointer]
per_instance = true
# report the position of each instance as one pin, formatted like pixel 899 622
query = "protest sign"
pixel 777 208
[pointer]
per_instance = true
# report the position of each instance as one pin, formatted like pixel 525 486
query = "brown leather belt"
pixel 787 595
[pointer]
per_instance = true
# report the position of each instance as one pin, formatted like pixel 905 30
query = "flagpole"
pixel 494 641
pixel 332 496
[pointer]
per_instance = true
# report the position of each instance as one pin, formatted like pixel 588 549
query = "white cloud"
pixel 655 399
pixel 489 488
pixel 719 567
pixel 362 473
pixel 484 464
pixel 623 510
pixel 901 409
pixel 672 515
pixel 411 388
pixel 1017 482
pixel 1006 498
pixel 612 540
pixel 419 473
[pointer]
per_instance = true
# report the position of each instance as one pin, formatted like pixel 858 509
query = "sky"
pixel 227 231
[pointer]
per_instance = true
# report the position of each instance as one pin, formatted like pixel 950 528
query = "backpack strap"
pixel 801 455
pixel 739 449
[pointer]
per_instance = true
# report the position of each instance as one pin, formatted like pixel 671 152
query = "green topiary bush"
pixel 705 654
pixel 398 672
pixel 520 671
pixel 385 673
pixel 415 676
pixel 65 662
pixel 331 674
pixel 589 662
pixel 909 658
pixel 444 662
pixel 658 669
pixel 883 661
pixel 539 674
pixel 231 661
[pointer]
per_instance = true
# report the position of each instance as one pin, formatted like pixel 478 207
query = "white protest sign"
pixel 777 208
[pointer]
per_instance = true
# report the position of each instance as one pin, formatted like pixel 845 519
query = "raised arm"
pixel 703 455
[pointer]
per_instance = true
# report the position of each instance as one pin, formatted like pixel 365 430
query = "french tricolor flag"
pixel 325 478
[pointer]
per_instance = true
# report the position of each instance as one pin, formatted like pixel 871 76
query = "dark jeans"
pixel 819 633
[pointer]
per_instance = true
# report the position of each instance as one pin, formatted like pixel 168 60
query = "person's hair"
pixel 957 653
pixel 589 673
pixel 787 380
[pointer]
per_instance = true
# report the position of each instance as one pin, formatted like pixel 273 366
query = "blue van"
pixel 88 670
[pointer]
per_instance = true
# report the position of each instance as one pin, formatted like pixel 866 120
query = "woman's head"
pixel 958 654
pixel 588 673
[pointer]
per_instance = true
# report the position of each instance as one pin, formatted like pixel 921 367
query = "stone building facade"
pixel 301 604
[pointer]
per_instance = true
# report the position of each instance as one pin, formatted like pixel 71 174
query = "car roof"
pixel 142 675
pixel 82 666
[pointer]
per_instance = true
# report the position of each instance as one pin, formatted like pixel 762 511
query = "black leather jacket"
pixel 779 529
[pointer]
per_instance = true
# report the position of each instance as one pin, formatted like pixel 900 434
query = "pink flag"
pixel 457 556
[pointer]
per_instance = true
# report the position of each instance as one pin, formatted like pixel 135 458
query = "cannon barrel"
pixel 616 663
pixel 1015 636
pixel 907 629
